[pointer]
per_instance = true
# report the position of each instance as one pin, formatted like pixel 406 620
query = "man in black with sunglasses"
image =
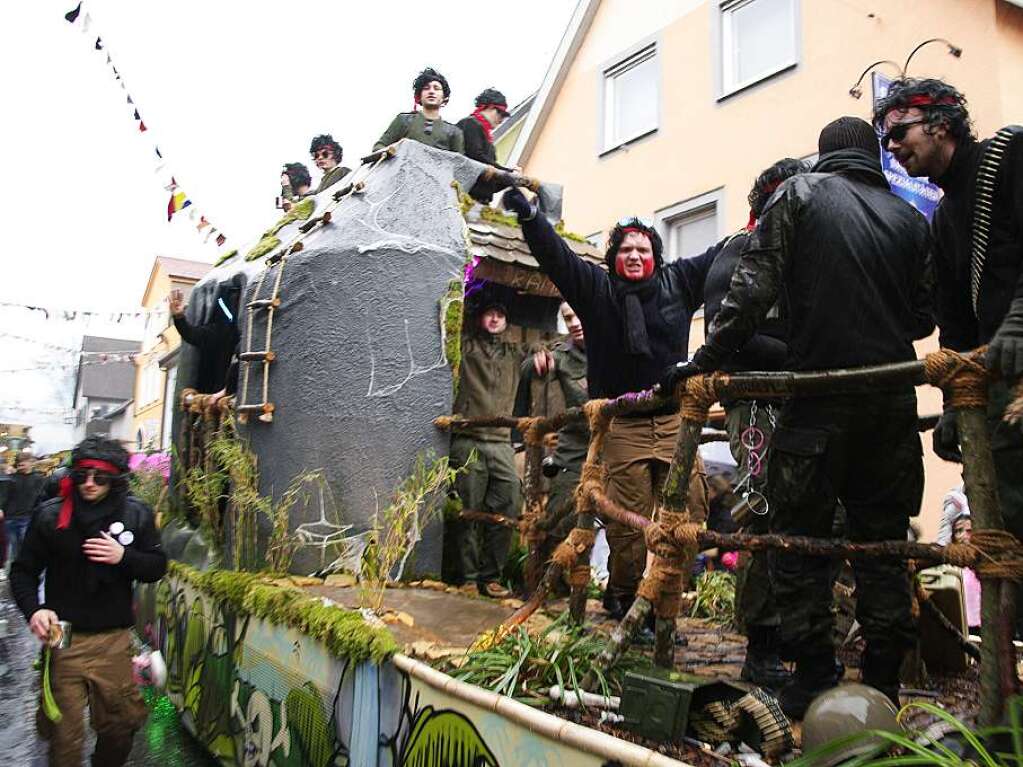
pixel 635 317
pixel 94 542
pixel 849 262
pixel 926 125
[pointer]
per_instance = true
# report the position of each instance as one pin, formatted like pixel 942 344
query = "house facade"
pixel 155 374
pixel 669 110
pixel 104 389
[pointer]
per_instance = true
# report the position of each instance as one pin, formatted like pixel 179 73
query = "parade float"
pixel 303 620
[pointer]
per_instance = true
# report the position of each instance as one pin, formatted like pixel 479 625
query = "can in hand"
pixel 60 635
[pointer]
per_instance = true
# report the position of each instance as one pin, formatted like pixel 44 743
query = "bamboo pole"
pixel 533 569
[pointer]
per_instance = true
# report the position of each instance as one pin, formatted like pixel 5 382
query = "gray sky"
pixel 229 91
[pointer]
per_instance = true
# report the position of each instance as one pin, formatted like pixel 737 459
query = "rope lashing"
pixel 992 554
pixel 532 430
pixel 961 376
pixel 568 551
pixel 696 397
pixel 1014 411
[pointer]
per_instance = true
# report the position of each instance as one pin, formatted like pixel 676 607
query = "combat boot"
pixel 814 674
pixel 763 666
pixel 879 668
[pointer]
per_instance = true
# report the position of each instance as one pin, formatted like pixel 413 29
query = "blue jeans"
pixel 15 534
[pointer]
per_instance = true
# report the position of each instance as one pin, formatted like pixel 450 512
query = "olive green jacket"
pixel 331 177
pixel 570 374
pixel 435 133
pixel 487 381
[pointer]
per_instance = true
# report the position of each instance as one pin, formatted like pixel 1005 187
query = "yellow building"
pixel 156 365
pixel 670 109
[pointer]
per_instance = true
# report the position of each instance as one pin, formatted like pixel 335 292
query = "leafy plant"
pixel 715 597
pixel 395 530
pixel 150 486
pixel 524 667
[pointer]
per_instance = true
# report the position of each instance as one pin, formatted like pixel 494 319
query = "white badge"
pixel 126 537
pixel 117 528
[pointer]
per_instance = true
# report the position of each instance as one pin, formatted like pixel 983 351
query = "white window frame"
pixel 723 47
pixel 666 218
pixel 638 54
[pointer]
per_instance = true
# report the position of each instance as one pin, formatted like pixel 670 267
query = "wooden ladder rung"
pixel 263 356
pixel 263 303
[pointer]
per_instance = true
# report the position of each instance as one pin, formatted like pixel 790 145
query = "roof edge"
pixel 575 32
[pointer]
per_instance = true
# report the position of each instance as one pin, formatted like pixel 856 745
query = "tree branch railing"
pixel 673 539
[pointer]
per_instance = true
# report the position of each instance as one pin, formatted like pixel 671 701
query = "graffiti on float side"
pixel 248 709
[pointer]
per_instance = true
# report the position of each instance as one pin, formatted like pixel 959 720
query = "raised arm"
pixel 577 280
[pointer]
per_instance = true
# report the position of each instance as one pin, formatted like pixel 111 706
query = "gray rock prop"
pixel 360 369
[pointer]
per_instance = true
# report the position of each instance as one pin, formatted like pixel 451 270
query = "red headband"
pixel 637 230
pixel 67 486
pixel 923 100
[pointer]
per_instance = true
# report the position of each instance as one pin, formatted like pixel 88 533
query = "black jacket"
pixel 1002 278
pixel 93 597
pixel 216 342
pixel 590 290
pixel 478 147
pixel 767 349
pixel 24 493
pixel 850 262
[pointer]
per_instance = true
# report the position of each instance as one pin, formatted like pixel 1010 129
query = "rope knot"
pixel 660 541
pixel 961 376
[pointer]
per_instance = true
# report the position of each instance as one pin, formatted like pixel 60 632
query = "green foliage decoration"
pixel 300 211
pixel 263 248
pixel 344 632
pixel 226 257
pixel 454 313
pixel 715 597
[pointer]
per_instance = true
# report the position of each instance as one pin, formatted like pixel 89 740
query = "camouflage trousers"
pixel 490 484
pixel 865 453
pixel 754 596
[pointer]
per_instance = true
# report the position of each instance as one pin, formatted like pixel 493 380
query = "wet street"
pixel 162 742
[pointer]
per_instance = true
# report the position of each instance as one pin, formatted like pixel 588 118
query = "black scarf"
pixel 630 297
pixel 89 519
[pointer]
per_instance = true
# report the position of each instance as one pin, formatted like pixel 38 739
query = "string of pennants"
pixel 179 200
pixel 74 314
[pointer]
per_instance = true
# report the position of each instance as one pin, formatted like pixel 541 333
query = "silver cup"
pixel 60 635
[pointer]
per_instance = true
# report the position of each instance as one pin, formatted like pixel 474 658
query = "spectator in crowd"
pixel 962 528
pixel 488 378
pixel 22 496
pixel 926 125
pixel 327 154
pixel 491 110
pixel 832 245
pixel 296 183
pixel 93 542
pixel 430 90
pixel 636 318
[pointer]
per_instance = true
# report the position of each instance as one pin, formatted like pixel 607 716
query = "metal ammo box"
pixel 656 702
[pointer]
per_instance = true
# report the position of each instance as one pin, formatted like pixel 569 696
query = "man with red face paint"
pixel 636 319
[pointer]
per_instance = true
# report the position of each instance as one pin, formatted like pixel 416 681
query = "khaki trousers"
pixel 94 670
pixel 637 454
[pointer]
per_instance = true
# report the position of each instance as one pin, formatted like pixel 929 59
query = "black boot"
pixel 814 674
pixel 616 605
pixel 763 666
pixel 879 668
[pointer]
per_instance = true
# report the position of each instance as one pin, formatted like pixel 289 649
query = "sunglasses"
pixel 898 132
pixel 628 221
pixel 100 478
pixel 323 154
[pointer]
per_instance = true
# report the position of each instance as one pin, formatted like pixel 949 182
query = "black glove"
pixel 1005 351
pixel 946 438
pixel 515 202
pixel 676 374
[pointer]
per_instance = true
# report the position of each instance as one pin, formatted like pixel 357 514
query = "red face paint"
pixel 636 247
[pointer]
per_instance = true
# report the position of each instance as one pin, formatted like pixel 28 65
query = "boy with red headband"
pixel 430 92
pixel 477 128
pixel 635 317
pixel 94 542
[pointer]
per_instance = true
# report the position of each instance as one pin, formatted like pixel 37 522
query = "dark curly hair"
pixel 326 141
pixel 940 102
pixel 617 236
pixel 769 180
pixel 426 77
pixel 101 449
pixel 298 174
